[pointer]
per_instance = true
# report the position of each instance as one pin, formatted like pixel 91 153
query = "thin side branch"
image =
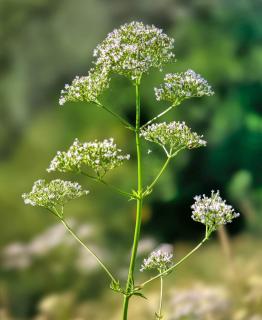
pixel 174 266
pixel 159 173
pixel 122 192
pixel 170 155
pixel 89 250
pixel 116 115
pixel 160 115
pixel 159 315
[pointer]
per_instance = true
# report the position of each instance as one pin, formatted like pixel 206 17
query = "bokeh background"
pixel 44 275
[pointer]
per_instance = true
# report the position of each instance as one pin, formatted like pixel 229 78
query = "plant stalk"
pixel 160 173
pixel 89 250
pixel 175 265
pixel 176 103
pixel 156 117
pixel 130 279
pixel 114 114
pixel 122 192
pixel 159 316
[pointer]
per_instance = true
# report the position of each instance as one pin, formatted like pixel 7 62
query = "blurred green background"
pixel 44 275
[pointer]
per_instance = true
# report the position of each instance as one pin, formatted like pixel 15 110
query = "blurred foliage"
pixel 44 44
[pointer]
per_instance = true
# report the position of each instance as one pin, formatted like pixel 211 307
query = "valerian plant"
pixel 131 51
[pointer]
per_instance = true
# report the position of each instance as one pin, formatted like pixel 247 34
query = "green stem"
pixel 125 306
pixel 123 193
pixel 130 279
pixel 122 120
pixel 160 173
pixel 89 250
pixel 156 117
pixel 175 265
pixel 161 299
pixel 176 103
pixel 170 155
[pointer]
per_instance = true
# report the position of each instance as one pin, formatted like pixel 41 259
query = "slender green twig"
pixel 175 265
pixel 116 115
pixel 206 233
pixel 97 179
pixel 124 193
pixel 163 168
pixel 167 153
pixel 89 250
pixel 159 315
pixel 130 279
pixel 156 117
pixel 160 115
pixel 160 173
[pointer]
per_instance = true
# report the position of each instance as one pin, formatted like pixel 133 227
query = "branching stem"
pixel 170 155
pixel 159 315
pixel 116 115
pixel 89 250
pixel 175 265
pixel 97 179
pixel 160 173
pixel 130 279
pixel 160 115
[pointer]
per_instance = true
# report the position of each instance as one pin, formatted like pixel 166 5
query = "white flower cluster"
pixel 173 136
pixel 55 193
pixel 134 48
pixel 159 260
pixel 101 156
pixel 184 85
pixel 130 51
pixel 212 211
pixel 86 88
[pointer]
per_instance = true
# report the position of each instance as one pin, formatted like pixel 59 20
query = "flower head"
pixel 134 48
pixel 101 156
pixel 55 193
pixel 184 85
pixel 158 260
pixel 212 211
pixel 173 136
pixel 87 88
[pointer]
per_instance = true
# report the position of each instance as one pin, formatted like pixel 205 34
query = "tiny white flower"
pixel 158 260
pixel 62 101
pixel 87 88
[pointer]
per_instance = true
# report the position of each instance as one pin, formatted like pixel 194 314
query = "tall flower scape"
pixel 131 51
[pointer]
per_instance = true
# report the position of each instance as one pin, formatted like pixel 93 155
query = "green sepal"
pixel 158 316
pixel 139 294
pixel 115 286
